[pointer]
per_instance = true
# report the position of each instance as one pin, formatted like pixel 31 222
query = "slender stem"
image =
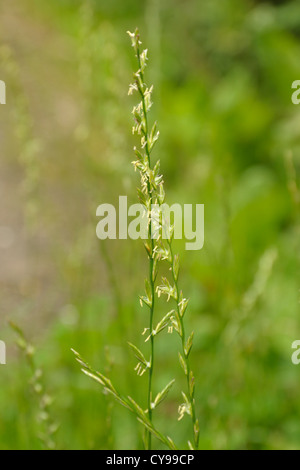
pixel 191 395
pixel 151 351
pixel 151 263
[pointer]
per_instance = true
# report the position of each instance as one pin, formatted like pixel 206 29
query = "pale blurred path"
pixel 46 60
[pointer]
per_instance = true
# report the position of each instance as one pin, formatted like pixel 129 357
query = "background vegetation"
pixel 222 73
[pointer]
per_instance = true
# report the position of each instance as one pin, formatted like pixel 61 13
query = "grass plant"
pixel 159 249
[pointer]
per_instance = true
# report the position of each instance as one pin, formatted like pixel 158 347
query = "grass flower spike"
pixel 159 250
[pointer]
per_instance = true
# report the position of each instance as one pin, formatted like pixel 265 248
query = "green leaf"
pixel 146 301
pixel 176 267
pixel 196 430
pixel 142 197
pixel 148 290
pixel 166 289
pixel 138 354
pixel 154 136
pixel 191 384
pixel 165 440
pixel 183 363
pixel 163 394
pixel 143 59
pixel 162 195
pixel 171 443
pixel 191 447
pixel 163 323
pixel 189 344
pixel 183 306
pixel 156 168
pixel 138 410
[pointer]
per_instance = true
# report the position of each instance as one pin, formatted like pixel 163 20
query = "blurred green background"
pixel 222 72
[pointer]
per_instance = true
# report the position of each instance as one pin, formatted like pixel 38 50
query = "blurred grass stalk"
pixel 47 427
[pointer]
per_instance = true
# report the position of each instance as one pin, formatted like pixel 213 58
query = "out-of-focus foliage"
pixel 222 72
